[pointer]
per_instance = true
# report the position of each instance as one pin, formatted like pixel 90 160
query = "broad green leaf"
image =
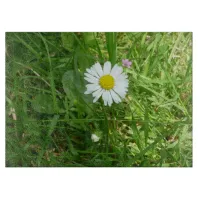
pixel 68 41
pixel 68 81
pixel 53 124
pixel 43 103
pixel 89 38
pixel 74 86
pixel 82 59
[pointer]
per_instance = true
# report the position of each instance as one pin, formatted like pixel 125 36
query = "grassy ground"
pixel 49 121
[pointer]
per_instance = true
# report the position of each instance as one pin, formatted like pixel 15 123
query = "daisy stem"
pixel 106 128
pixel 112 127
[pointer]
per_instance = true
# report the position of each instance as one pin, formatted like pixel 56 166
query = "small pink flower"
pixel 126 63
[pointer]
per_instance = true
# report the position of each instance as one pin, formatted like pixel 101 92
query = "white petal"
pixel 115 97
pixel 121 80
pixel 91 88
pixel 122 76
pixel 95 138
pixel 98 95
pixel 88 70
pixel 105 97
pixel 120 91
pixel 94 72
pixel 123 84
pixel 98 69
pixel 122 87
pixel 89 75
pixel 96 92
pixel 91 79
pixel 89 91
pixel 116 71
pixel 106 68
pixel 91 72
pixel 110 101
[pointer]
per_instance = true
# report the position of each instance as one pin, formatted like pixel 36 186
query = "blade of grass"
pixel 159 94
pixel 175 90
pixel 79 42
pixel 52 83
pixel 157 140
pixel 111 41
pixel 174 47
pixel 54 121
pixel 27 46
pixel 98 48
pixel 37 74
pixel 146 125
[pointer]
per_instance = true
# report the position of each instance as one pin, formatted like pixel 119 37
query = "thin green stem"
pixel 106 128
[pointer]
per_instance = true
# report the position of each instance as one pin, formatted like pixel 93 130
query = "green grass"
pixel 49 121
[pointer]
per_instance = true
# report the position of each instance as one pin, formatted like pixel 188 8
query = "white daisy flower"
pixel 110 83
pixel 95 138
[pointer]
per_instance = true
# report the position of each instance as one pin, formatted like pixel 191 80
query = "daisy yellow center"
pixel 107 82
